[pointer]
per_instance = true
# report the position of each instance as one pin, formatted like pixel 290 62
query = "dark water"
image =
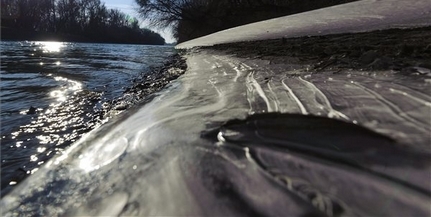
pixel 51 91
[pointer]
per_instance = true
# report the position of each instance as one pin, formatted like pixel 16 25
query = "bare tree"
pixel 193 18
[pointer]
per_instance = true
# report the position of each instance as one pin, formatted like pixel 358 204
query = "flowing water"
pixel 51 93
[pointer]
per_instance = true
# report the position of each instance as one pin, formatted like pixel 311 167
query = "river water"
pixel 51 92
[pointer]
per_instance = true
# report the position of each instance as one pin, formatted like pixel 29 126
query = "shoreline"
pixel 145 87
pixel 323 125
pixel 404 53
pixel 394 49
pixel 404 50
pixel 140 91
pixel 172 141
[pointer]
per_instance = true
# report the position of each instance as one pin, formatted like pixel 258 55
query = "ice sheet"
pixel 360 16
pixel 158 160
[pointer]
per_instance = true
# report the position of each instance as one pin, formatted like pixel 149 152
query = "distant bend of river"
pixel 50 92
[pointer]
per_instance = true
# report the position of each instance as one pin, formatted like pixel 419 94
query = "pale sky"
pixel 128 7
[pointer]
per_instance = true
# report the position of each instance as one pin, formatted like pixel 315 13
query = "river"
pixel 52 91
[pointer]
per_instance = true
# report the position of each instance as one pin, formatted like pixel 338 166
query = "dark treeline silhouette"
pixel 71 20
pixel 194 18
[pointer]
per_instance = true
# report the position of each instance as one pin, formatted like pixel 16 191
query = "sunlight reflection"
pixel 102 154
pixel 51 46
pixel 41 149
pixel 34 170
pixel 72 86
pixel 59 94
pixel 33 158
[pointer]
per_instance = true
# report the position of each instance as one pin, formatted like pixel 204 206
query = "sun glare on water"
pixel 51 46
pixel 69 88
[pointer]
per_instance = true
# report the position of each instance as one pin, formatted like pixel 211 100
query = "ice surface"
pixel 161 164
pixel 169 157
pixel 360 16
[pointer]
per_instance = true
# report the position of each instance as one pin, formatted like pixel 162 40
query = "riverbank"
pixel 379 57
pixel 334 125
pixel 241 134
pixel 402 50
pixel 380 65
pixel 146 86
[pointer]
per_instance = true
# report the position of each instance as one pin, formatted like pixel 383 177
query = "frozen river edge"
pixel 312 126
pixel 176 156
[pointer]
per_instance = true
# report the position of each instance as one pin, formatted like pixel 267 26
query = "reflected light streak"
pixel 41 149
pixel 33 158
pixel 102 154
pixel 51 46
pixel 34 170
pixel 61 94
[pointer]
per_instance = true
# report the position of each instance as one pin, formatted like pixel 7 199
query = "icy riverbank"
pixel 175 155
pixel 360 16
pixel 321 126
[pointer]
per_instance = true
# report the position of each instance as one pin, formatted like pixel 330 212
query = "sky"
pixel 128 7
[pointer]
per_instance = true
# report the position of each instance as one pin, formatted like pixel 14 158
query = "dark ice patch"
pixel 339 142
pixel 306 133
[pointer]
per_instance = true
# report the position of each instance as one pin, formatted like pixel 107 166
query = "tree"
pixel 193 18
pixel 25 13
pixel 76 20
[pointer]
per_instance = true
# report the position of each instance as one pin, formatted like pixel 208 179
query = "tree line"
pixel 194 18
pixel 71 20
